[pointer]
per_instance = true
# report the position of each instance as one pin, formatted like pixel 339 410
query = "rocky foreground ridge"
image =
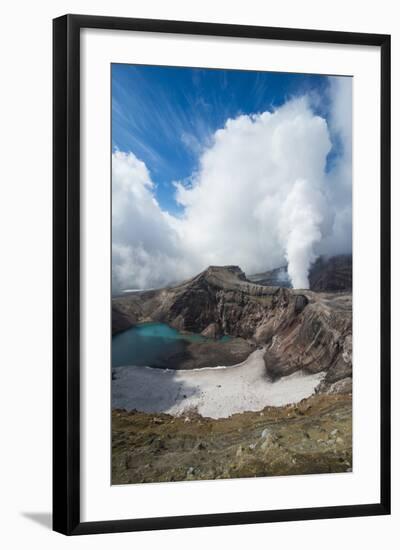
pixel 301 330
pixel 311 437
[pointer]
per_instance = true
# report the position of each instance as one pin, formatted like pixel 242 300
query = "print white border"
pixel 100 500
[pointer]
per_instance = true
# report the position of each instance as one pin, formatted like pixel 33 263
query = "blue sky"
pixel 167 115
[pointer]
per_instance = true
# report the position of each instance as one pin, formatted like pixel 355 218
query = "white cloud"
pixel 260 195
pixel 339 180
pixel 145 246
pixel 234 210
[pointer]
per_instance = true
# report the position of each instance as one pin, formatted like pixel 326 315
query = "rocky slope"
pixel 314 436
pixel 301 330
pixel 274 277
pixel 326 275
pixel 333 274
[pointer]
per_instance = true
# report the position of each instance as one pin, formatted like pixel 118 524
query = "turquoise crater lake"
pixel 150 344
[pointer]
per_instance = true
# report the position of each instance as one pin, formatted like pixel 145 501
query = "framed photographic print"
pixel 221 274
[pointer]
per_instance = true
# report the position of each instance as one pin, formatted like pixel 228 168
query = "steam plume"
pixel 261 196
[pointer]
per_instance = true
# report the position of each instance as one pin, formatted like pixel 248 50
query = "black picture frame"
pixel 66 273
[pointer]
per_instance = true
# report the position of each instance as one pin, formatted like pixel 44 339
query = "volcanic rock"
pixel 309 331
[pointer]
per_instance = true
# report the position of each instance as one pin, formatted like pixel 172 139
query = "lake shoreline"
pixel 160 346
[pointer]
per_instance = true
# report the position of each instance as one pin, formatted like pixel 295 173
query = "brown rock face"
pixel 332 274
pixel 120 321
pixel 212 331
pixel 318 339
pixel 219 300
pixel 300 330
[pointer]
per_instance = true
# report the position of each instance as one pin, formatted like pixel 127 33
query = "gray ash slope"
pixel 300 330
